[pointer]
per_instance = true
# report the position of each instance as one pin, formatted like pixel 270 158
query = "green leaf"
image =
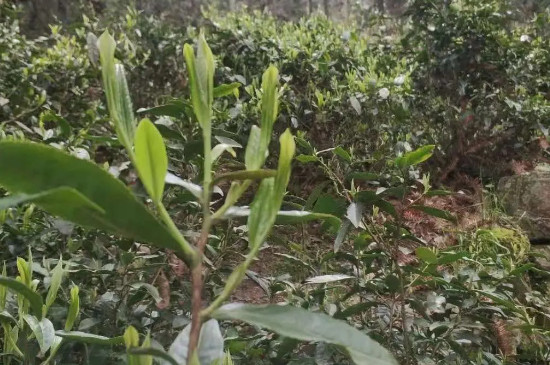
pixel 31 168
pixel 245 175
pixel 253 158
pixel 43 331
pixel 210 346
pixel 151 159
pixel 63 201
pixel 415 157
pixel 201 80
pixel 153 292
pixel 84 337
pixel 175 108
pixel 74 309
pixel 155 352
pixel 426 255
pixel 342 153
pixel 306 326
pixel 226 89
pixel 34 299
pixel 258 142
pixel 286 154
pixel 443 214
pixel 116 90
pixel 6 317
pixel 307 158
pixel 3 289
pixel 263 212
pixel 447 258
pixel 386 207
pixel 55 283
pixel 131 337
pixel 270 107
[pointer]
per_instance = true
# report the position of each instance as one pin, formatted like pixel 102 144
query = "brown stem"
pixel 196 297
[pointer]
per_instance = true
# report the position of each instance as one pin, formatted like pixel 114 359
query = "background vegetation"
pixel 395 106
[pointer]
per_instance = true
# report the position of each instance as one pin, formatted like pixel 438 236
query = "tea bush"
pixel 447 88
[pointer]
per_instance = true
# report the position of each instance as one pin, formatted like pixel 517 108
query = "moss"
pixel 502 240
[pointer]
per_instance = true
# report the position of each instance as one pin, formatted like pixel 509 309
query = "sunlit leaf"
pixel 55 283
pixel 116 90
pixel 74 309
pixel 151 159
pixel 226 89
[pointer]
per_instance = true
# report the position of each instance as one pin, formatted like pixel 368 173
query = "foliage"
pixel 79 199
pixel 455 86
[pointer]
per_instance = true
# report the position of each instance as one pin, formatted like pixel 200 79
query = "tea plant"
pixel 84 193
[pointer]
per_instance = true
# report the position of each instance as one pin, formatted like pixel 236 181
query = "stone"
pixel 527 197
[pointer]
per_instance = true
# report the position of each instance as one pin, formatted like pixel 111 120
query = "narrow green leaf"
pixel 262 216
pixel 307 158
pixel 286 154
pixel 55 283
pixel 306 326
pixel 43 331
pixel 116 90
pixel 31 168
pixel 342 153
pixel 270 107
pixel 226 89
pixel 6 317
pixel 175 108
pixel 74 309
pixel 253 158
pixel 84 337
pixel 201 80
pixel 151 159
pixel 3 289
pixel 443 214
pixel 34 299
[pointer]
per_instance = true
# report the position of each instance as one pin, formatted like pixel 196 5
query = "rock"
pixel 542 256
pixel 527 197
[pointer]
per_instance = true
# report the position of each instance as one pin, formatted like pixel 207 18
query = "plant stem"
pixel 196 272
